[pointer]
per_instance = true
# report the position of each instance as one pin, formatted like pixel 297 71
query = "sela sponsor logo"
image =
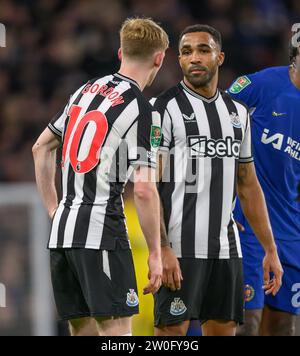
pixel 201 146
pixel 132 298
pixel 279 142
pixel 177 307
pixel 104 90
pixel 189 118
pixel 2 296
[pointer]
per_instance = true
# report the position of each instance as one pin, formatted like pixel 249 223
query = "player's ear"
pixel 158 59
pixel 120 54
pixel 221 58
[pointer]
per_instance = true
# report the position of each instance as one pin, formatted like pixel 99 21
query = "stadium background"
pixel 52 48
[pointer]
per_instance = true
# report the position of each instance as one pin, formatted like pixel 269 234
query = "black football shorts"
pixel 94 283
pixel 211 290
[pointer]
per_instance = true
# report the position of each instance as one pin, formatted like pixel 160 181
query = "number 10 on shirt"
pixel 93 157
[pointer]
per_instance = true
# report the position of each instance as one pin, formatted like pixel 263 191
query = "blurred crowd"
pixel 55 46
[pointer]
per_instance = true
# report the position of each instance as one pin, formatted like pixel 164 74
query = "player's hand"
pixel 155 273
pixel 172 275
pixel 240 226
pixel 271 264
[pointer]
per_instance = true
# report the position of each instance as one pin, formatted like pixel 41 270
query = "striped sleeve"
pixel 56 125
pixel 166 125
pixel 144 138
pixel 166 132
pixel 246 155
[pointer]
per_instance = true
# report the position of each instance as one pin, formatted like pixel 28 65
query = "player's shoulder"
pixel 163 99
pixel 234 100
pixel 271 74
pixel 267 78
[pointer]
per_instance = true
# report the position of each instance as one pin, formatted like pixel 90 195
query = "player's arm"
pixel 44 154
pixel 172 275
pixel 162 158
pixel 143 140
pixel 146 200
pixel 255 210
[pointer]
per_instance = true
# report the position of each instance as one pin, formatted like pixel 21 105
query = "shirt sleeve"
pixel 143 138
pixel 57 124
pixel 166 124
pixel 166 132
pixel 246 155
pixel 247 89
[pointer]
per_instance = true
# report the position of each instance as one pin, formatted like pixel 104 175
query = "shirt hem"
pixel 88 247
pixel 143 164
pixel 212 257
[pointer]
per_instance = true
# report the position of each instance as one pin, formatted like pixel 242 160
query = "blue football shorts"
pixel 288 297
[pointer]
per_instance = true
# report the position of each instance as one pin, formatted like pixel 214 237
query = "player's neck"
pixel 295 76
pixel 208 91
pixel 134 71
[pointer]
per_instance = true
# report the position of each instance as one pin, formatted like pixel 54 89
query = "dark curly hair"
pixel 203 28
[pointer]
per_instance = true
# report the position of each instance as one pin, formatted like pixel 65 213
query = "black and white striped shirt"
pixel 206 140
pixel 107 129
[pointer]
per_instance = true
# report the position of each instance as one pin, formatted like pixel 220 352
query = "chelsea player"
pixel 273 96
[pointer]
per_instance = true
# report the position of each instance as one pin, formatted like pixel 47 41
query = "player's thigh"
pixel 179 329
pixel 288 297
pixel 219 328
pixel 107 280
pixel 224 297
pixel 69 298
pixel 114 326
pixel 251 324
pixel 173 309
pixel 277 323
pixel 83 327
pixel 254 297
pixel 279 315
pixel 253 274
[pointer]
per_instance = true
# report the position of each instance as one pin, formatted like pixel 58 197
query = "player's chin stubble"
pixel 199 81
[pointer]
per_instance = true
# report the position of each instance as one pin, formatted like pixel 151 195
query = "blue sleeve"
pixel 247 89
